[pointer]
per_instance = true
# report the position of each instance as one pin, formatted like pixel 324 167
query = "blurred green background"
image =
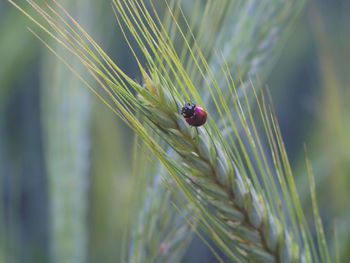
pixel 61 148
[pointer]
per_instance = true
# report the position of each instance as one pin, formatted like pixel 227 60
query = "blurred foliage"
pixel 313 109
pixel 309 85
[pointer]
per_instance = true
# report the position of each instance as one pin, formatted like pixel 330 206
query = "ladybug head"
pixel 188 110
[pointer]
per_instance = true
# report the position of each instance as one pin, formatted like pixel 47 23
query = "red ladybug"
pixel 194 115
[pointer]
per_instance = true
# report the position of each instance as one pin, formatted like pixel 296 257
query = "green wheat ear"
pixel 242 193
pixel 157 232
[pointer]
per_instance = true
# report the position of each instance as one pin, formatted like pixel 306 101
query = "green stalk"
pixel 66 122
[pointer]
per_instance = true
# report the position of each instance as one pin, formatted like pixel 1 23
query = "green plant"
pixel 236 178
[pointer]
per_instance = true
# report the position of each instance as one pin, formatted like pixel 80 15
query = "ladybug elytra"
pixel 194 115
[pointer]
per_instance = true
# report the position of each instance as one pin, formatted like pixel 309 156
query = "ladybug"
pixel 194 115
